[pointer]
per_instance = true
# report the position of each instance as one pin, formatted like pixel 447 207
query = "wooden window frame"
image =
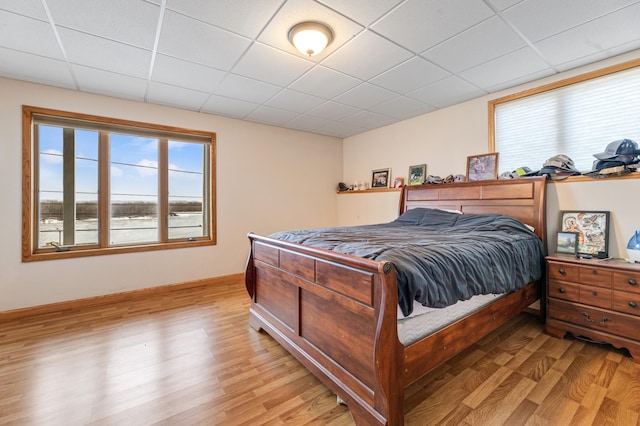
pixel 30 250
pixel 492 104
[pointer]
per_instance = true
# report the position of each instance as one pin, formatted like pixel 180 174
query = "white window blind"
pixel 577 120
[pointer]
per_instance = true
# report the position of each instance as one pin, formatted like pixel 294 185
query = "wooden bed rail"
pixel 337 316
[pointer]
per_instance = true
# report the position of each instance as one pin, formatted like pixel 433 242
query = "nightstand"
pixel 594 298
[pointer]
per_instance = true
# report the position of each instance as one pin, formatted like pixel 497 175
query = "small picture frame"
pixel 398 182
pixel 592 231
pixel 482 167
pixel 380 178
pixel 567 243
pixel 417 174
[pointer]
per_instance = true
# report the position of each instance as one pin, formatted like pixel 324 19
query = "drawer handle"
pixel 594 272
pixel 633 304
pixel 633 282
pixel 562 290
pixel 562 272
pixel 602 323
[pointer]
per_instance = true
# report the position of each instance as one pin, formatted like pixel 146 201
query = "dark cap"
pixel 620 147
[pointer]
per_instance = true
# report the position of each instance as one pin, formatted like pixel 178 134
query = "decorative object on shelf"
pixel 380 178
pixel 633 247
pixel 398 182
pixel 342 187
pixel 567 243
pixel 417 174
pixel 310 38
pixel 592 229
pixel 482 167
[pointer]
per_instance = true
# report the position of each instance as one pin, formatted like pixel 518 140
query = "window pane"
pixel 578 120
pixel 134 189
pixel 49 195
pixel 186 190
pixel 86 185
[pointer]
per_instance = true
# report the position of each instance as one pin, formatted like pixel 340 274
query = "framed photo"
pixel 398 182
pixel 482 167
pixel 417 174
pixel 380 178
pixel 567 243
pixel 592 231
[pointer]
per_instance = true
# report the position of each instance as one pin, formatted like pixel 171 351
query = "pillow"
pixel 412 217
pixel 439 218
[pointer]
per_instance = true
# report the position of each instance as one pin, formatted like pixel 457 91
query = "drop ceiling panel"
pixel 324 83
pixel 274 66
pixel 108 83
pixel 375 54
pixel 127 21
pixel 307 123
pixel 364 96
pixel 96 52
pixel 229 107
pixel 269 115
pixel 421 24
pixel 171 95
pixel 539 19
pixel 186 74
pixel 366 119
pixel 446 92
pixel 402 107
pixel 333 111
pixel 195 41
pixel 246 89
pixel 481 43
pixel 292 100
pixel 244 17
pixel 28 35
pixel 410 75
pixel 363 12
pixel 28 67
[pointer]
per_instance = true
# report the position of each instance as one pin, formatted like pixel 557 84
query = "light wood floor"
pixel 188 357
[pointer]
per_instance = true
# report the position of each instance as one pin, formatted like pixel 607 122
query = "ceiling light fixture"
pixel 310 38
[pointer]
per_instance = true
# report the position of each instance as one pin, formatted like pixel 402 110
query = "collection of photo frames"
pixel 584 234
pixel 479 167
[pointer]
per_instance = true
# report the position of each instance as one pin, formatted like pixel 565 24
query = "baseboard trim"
pixel 15 314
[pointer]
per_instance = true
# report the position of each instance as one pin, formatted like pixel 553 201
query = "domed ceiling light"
pixel 310 38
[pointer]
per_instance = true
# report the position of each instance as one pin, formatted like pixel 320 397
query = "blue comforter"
pixel 440 257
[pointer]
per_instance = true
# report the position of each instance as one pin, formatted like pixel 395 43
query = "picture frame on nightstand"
pixel 567 243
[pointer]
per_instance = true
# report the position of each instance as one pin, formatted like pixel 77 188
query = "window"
pixel 577 117
pixel 95 185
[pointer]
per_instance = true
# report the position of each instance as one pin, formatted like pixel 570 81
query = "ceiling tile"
pixel 307 123
pixel 295 11
pixel 365 96
pixel 512 66
pixel 363 12
pixel 332 111
pixel 445 92
pixel 244 17
pixel 538 19
pixel 505 84
pixel 28 35
pixel 268 115
pixel 410 75
pixel 341 130
pixel 265 63
pixel 31 8
pixel 483 42
pixel 126 21
pixel 186 74
pixel 294 101
pixel 171 95
pixel 501 5
pixel 228 106
pixel 402 107
pixel 421 24
pixel 108 83
pixel 370 120
pixel 324 83
pixel 186 38
pixel 28 67
pixel 246 89
pixel 96 52
pixel 601 34
pixel 375 55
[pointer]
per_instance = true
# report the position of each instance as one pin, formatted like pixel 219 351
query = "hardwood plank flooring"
pixel 189 357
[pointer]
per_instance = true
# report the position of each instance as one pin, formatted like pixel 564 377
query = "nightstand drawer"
pixel 627 302
pixel 595 276
pixel 626 281
pixel 563 290
pixel 595 296
pixel 563 272
pixel 595 318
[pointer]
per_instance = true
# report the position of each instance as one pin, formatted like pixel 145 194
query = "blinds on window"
pixel 577 120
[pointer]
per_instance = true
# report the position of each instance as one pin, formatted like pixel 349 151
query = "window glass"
pixel 50 160
pixel 186 190
pixel 86 187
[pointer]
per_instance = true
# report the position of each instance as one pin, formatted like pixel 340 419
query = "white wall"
pixel 265 183
pixel 443 139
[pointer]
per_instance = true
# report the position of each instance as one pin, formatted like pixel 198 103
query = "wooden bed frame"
pixel 337 314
